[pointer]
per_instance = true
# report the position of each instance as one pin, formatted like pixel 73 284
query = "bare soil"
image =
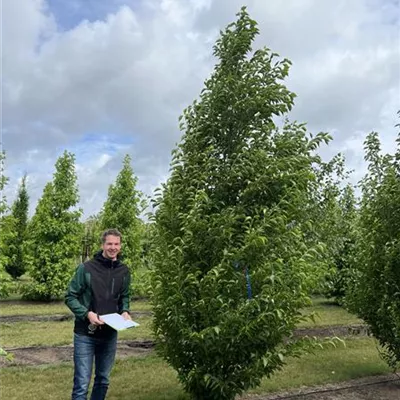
pixel 371 388
pixel 333 330
pixel 41 355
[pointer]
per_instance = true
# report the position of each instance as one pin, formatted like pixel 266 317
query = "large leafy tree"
pixel 375 294
pixel 16 247
pixel 121 211
pixel 232 266
pixel 55 233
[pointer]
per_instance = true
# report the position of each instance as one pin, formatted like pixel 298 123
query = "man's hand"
pixel 126 316
pixel 94 319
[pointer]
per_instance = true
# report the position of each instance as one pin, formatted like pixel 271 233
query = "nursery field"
pixel 40 338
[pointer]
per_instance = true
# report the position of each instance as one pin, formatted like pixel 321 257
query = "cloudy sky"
pixel 103 78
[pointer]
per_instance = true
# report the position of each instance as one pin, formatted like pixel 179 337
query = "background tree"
pixel 6 232
pixel 375 290
pixel 3 209
pixel 141 284
pixel 55 234
pixel 121 211
pixel 331 215
pixel 344 251
pixel 92 236
pixel 148 244
pixel 232 266
pixel 16 247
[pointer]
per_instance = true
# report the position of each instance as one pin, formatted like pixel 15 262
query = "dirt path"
pixel 40 355
pixel 371 388
pixel 333 330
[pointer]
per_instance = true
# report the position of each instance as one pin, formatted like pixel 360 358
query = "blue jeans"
pixel 102 351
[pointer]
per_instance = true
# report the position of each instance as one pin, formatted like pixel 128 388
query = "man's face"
pixel 111 247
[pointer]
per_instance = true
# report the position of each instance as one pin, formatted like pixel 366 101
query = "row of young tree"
pixel 48 246
pixel 249 225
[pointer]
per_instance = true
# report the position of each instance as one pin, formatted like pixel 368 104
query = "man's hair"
pixel 110 232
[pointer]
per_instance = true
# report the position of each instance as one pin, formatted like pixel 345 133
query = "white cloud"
pixel 128 76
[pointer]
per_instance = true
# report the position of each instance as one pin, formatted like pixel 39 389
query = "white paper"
pixel 118 322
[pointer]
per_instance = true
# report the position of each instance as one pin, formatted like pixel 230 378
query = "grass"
pixel 327 313
pixel 358 358
pixel 141 379
pixel 151 379
pixel 38 308
pixel 54 333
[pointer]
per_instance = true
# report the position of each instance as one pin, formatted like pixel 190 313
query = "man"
pixel 100 286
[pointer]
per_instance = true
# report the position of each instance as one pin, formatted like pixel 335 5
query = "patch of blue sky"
pixel 93 145
pixel 96 137
pixel 70 13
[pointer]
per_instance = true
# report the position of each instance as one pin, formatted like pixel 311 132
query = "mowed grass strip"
pixel 151 378
pixel 37 308
pixel 55 333
pixel 138 379
pixel 356 358
pixel 328 314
